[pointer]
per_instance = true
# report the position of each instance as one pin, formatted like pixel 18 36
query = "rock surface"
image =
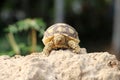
pixel 60 65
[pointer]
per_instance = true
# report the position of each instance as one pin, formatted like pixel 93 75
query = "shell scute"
pixel 60 28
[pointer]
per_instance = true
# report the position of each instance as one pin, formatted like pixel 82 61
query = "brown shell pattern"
pixel 61 28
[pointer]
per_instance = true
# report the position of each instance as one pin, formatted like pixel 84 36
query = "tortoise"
pixel 61 36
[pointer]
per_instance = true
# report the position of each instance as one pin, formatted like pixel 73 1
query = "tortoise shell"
pixel 60 28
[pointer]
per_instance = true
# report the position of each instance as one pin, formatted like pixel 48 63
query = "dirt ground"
pixel 60 65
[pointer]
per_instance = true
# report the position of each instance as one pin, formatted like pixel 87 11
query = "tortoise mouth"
pixel 60 48
pixel 63 47
pixel 56 49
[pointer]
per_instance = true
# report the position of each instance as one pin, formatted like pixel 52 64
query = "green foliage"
pixel 25 49
pixel 42 26
pixel 37 24
pixel 10 53
pixel 26 26
pixel 12 29
pixel 5 47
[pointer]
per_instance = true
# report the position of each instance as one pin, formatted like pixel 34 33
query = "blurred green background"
pixel 22 23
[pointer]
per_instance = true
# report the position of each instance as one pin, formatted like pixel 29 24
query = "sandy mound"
pixel 60 65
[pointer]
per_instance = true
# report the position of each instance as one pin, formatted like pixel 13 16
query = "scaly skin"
pixel 61 41
pixel 48 47
pixel 76 48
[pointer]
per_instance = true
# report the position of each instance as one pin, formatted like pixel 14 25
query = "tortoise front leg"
pixel 48 47
pixel 76 48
